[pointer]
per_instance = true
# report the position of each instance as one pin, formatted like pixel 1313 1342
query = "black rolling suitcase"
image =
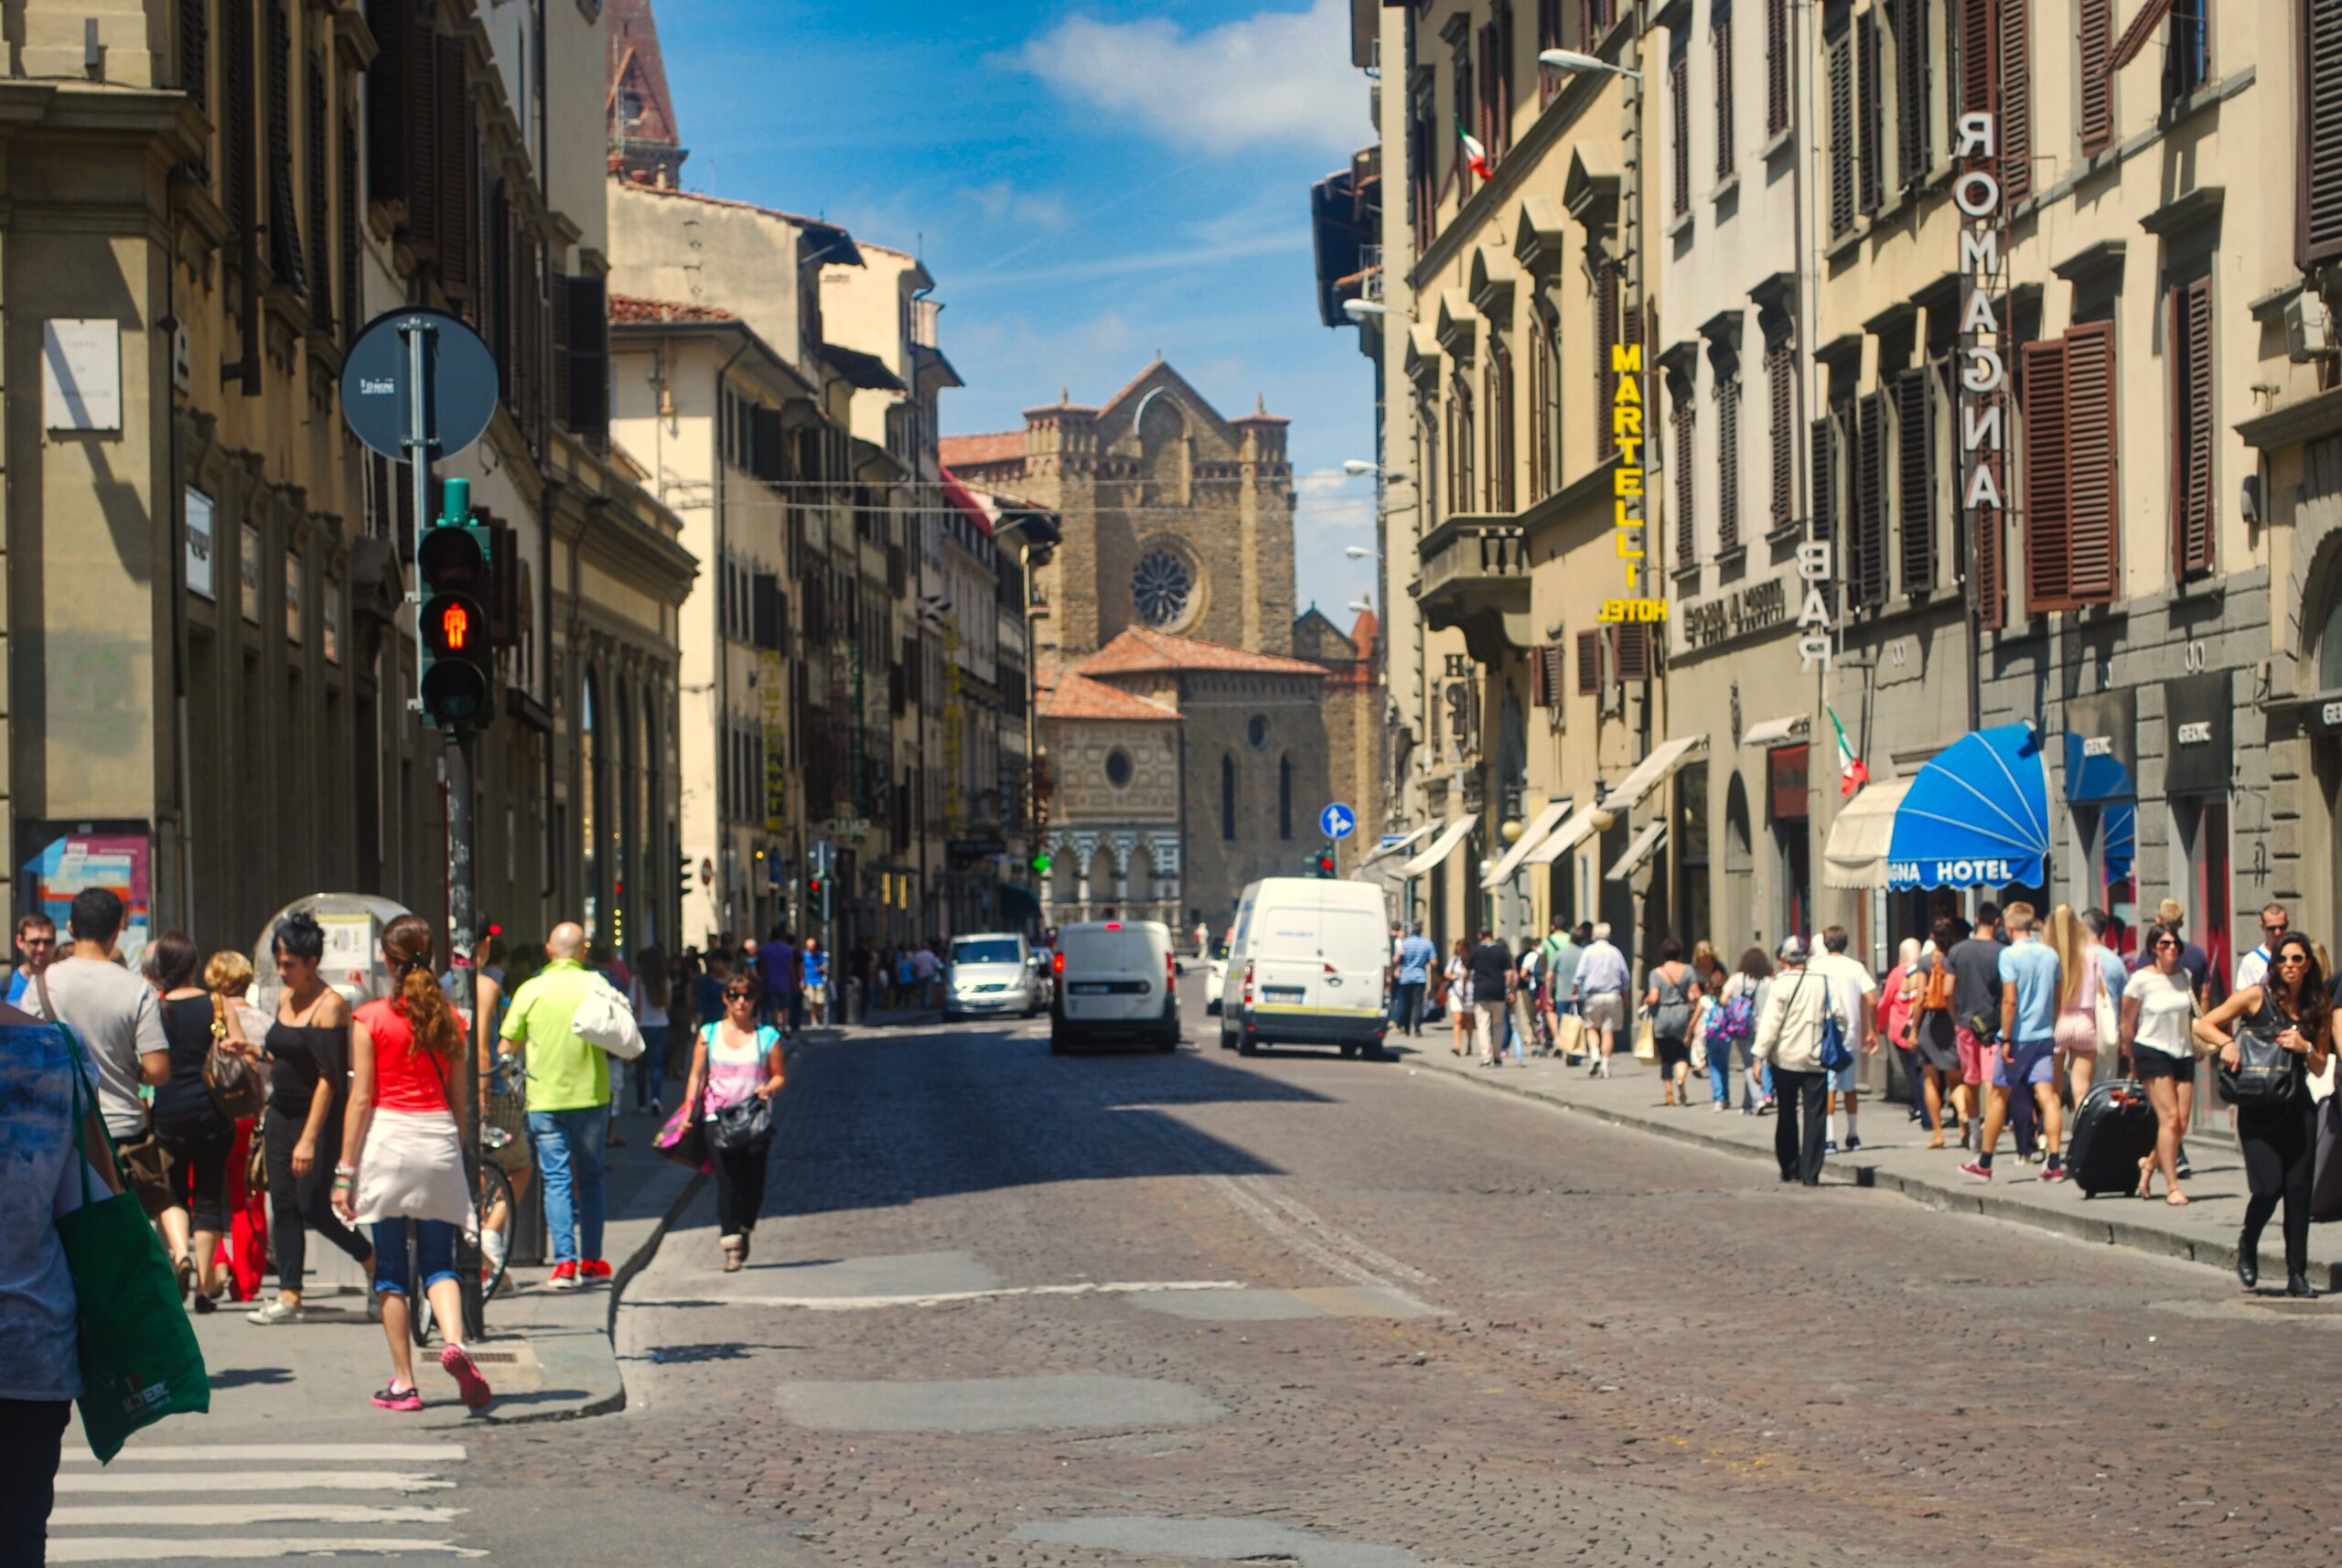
pixel 2114 1130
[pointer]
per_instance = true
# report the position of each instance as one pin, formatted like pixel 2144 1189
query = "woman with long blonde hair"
pixel 2080 982
pixel 403 1157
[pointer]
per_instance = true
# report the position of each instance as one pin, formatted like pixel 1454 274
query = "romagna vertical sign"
pixel 1984 374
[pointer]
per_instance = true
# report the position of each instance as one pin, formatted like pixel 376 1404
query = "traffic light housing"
pixel 1323 864
pixel 454 563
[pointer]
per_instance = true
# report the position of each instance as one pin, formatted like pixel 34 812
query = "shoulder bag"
pixel 2109 1016
pixel 2264 1076
pixel 1835 1057
pixel 232 1077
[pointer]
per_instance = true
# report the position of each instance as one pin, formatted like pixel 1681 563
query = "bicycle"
pixel 493 1194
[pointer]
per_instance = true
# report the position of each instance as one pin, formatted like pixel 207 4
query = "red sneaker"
pixel 469 1385
pixel 594 1270
pixel 1977 1169
pixel 564 1277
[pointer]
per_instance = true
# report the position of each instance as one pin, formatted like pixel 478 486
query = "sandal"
pixel 2177 1199
pixel 183 1271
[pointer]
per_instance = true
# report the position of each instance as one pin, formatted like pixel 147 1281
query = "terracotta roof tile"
pixel 973 451
pixel 1138 649
pixel 626 309
pixel 1069 695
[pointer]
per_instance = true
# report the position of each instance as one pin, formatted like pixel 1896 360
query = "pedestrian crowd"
pixel 2000 1025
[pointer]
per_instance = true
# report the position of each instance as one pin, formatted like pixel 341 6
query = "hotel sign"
pixel 1983 375
pixel 1627 487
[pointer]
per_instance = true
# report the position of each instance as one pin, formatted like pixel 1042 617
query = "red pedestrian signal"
pixel 454 559
pixel 453 632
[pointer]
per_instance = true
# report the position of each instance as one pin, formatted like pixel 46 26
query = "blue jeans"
pixel 650 1067
pixel 569 1157
pixel 1720 1069
pixel 434 1254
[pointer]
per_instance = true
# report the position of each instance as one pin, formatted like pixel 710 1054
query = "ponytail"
pixel 406 944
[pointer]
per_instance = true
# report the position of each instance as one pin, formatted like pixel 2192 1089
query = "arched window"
pixel 1284 797
pixel 1498 412
pixel 1228 796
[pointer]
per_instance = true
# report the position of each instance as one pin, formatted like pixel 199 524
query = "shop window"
pixel 2200 875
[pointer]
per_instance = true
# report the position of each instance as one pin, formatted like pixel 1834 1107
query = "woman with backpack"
pixel 1934 1035
pixel 1732 1030
pixel 736 1061
pixel 2276 1121
pixel 1670 996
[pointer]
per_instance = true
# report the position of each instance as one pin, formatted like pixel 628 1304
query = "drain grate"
pixel 496 1357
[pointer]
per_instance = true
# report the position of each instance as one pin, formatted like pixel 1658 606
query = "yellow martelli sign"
pixel 1626 488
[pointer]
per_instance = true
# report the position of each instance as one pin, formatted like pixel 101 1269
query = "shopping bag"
pixel 684 1137
pixel 1646 1047
pixel 140 1361
pixel 1569 1034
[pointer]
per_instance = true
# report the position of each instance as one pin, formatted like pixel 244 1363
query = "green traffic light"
pixel 1041 865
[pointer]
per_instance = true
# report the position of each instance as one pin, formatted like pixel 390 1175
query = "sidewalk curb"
pixel 1961 1199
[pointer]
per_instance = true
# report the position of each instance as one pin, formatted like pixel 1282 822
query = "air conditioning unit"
pixel 2309 327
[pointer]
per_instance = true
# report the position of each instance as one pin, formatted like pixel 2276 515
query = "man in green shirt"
pixel 569 1098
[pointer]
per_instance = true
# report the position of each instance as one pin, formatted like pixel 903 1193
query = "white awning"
pixel 1772 732
pixel 1441 847
pixel 1565 838
pixel 1652 771
pixel 1384 851
pixel 1546 821
pixel 1855 856
pixel 1645 844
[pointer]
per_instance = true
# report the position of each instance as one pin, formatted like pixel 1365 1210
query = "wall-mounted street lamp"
pixel 1358 309
pixel 1571 60
pixel 1361 553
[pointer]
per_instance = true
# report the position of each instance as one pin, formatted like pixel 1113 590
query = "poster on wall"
pixel 118 862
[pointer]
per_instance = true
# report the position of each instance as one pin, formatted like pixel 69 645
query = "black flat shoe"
pixel 2248 1266
pixel 2298 1284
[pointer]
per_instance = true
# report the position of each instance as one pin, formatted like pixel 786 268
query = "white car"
pixel 1216 977
pixel 988 976
pixel 1307 966
pixel 1116 980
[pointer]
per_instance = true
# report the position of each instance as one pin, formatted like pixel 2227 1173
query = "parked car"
pixel 1116 980
pixel 988 975
pixel 1308 964
pixel 1216 975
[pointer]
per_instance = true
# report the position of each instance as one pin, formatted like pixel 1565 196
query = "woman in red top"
pixel 403 1158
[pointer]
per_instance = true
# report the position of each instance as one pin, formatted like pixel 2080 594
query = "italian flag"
pixel 1852 774
pixel 1474 153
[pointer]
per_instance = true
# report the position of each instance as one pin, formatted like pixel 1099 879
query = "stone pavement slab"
pixel 1892 1157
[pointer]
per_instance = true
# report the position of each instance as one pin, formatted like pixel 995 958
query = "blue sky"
pixel 1088 183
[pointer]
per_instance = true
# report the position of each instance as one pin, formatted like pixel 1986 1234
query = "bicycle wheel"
pixel 418 1304
pixel 495 1196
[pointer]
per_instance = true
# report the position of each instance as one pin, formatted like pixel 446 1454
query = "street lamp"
pixel 1361 553
pixel 1358 309
pixel 1360 607
pixel 1571 60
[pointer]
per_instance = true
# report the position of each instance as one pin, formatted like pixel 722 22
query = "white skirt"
pixel 412 1168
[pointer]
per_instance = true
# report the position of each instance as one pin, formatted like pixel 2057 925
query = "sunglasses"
pixel 2292 958
pixel 739 996
pixel 37 941
pixel 2274 930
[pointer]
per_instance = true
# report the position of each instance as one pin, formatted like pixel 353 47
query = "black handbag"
pixel 742 1125
pixel 2266 1075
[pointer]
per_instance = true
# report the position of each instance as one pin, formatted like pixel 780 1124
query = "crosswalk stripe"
pixel 145 1548
pixel 310 1453
pixel 145 1482
pixel 221 1516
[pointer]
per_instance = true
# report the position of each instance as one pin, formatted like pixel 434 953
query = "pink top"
pixel 736 1071
pixel 1893 1005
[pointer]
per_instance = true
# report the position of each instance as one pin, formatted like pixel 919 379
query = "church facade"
pixel 1194 725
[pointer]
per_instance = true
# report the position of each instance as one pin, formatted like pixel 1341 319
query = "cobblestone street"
pixel 1011 1308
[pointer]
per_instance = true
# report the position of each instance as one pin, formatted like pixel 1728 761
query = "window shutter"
pixel 1776 65
pixel 1824 437
pixel 1631 641
pixel 765 443
pixel 195 51
pixel 1841 135
pixel 2193 551
pixel 386 93
pixel 589 362
pixel 1540 694
pixel 1866 535
pixel 1589 664
pixel 236 128
pixel 1727 462
pixel 316 123
pixel 2319 144
pixel 2047 495
pixel 1911 93
pixel 2094 548
pixel 284 220
pixel 764 605
pixel 1679 89
pixel 1720 51
pixel 2095 112
pixel 1781 390
pixel 1687 544
pixel 2015 50
pixel 559 380
pixel 1606 338
pixel 1872 154
pixel 1992 557
pixel 1979 68
pixel 459 184
pixel 1915 474
pixel 1550 662
pixel 353 305
pixel 1503 64
pixel 418 117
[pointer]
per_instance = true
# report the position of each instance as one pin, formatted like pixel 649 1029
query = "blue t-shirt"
pixel 778 963
pixel 707 997
pixel 2031 966
pixel 817 968
pixel 1415 958
pixel 18 983
pixel 2110 967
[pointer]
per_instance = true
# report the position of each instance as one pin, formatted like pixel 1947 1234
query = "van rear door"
pixel 1287 964
pixel 1108 974
pixel 1351 942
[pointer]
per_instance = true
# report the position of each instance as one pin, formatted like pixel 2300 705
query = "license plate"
pixel 1283 993
pixel 1090 988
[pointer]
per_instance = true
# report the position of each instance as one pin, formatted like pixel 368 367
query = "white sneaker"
pixel 276 1312
pixel 657 1109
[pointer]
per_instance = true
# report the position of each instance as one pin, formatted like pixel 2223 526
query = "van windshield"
pixel 985 950
pixel 1104 950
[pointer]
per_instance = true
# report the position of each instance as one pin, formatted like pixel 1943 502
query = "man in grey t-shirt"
pixel 112 1010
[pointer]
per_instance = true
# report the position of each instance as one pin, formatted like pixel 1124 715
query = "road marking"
pixel 1333 1234
pixel 937 1298
pixel 215 1516
pixel 1272 1220
pixel 146 1549
pixel 308 1453
pixel 114 1483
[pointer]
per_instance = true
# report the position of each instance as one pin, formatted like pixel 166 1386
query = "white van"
pixel 1116 980
pixel 1307 966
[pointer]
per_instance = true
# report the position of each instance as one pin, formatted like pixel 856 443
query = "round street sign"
pixel 460 376
pixel 1337 822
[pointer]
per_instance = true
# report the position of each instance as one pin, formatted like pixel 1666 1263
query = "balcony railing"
pixel 1474 574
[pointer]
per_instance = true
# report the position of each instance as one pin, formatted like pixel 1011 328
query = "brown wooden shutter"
pixel 2142 26
pixel 2319 141
pixel 2049 514
pixel 558 381
pixel 1979 59
pixel 2094 549
pixel 316 124
pixel 1912 89
pixel 1824 439
pixel 1589 664
pixel 386 94
pixel 1686 532
pixel 354 302
pixel 1777 66
pixel 1541 695
pixel 459 171
pixel 1720 50
pixel 2095 112
pixel 1866 531
pixel 1871 155
pixel 2194 549
pixel 419 126
pixel 1631 641
pixel 1679 89
pixel 1550 660
pixel 2014 45
pixel 1781 390
pixel 1915 474
pixel 195 51
pixel 1503 78
pixel 236 122
pixel 589 362
pixel 1606 338
pixel 1727 463
pixel 1841 134
pixel 1548 37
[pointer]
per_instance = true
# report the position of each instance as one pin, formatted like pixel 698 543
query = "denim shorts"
pixel 2037 1062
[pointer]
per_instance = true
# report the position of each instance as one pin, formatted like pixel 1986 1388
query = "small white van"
pixel 1307 967
pixel 1116 980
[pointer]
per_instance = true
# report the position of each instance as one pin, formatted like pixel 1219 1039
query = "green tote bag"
pixel 140 1361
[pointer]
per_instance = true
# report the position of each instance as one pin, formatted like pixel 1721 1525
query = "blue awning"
pixel 1977 815
pixel 2119 835
pixel 2096 772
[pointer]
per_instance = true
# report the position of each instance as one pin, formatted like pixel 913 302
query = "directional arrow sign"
pixel 1337 822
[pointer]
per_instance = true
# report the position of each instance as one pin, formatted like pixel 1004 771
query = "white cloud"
pixel 1274 77
pixel 1177 257
pixel 1329 498
pixel 1002 203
